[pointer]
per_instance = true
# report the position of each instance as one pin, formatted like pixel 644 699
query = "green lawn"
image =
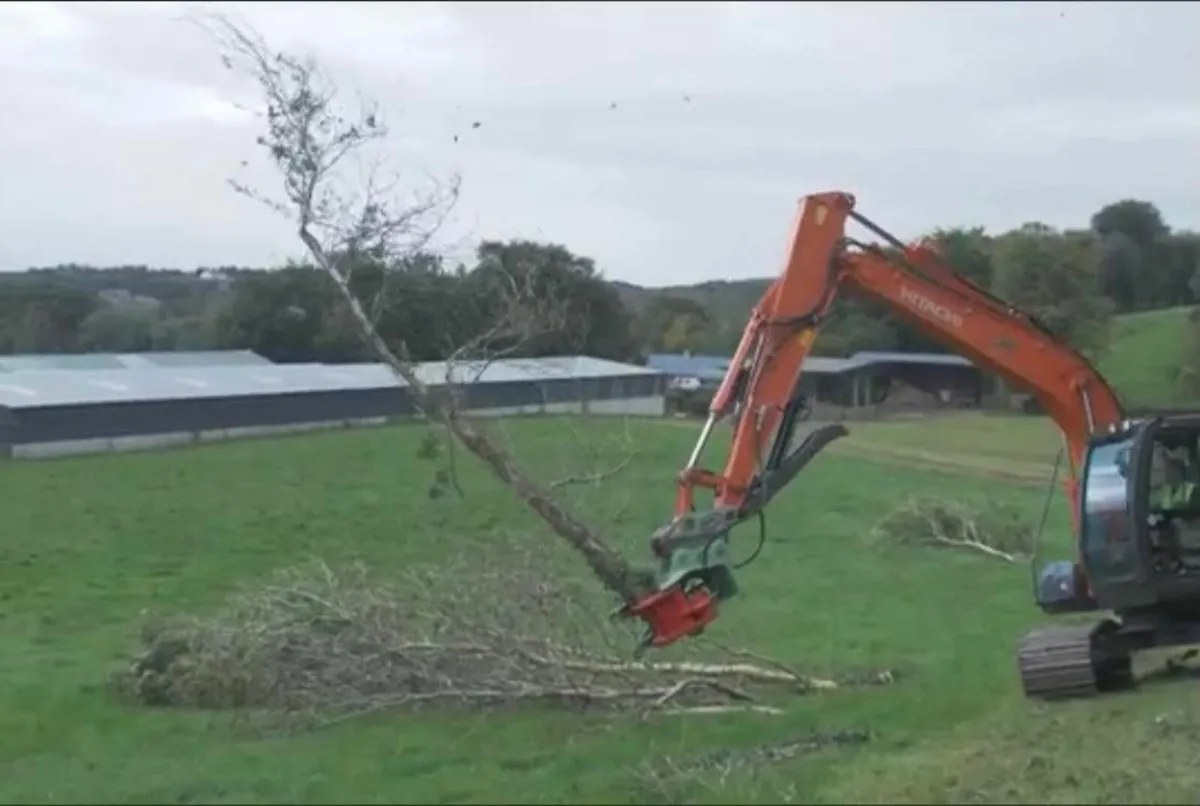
pixel 88 544
pixel 1016 449
pixel 1142 360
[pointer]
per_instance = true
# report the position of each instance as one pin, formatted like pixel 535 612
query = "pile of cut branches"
pixel 993 529
pixel 483 632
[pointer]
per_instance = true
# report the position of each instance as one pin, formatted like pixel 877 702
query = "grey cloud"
pixel 119 135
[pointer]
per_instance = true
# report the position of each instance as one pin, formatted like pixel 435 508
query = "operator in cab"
pixel 1175 531
pixel 1179 477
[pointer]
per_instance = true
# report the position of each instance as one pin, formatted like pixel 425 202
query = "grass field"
pixel 1143 356
pixel 88 544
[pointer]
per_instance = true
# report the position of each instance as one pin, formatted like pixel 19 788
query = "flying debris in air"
pixel 611 105
pixel 474 125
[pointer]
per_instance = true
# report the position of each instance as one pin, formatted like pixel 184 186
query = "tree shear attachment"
pixel 673 614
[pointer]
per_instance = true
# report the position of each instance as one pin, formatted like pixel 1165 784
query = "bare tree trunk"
pixel 608 566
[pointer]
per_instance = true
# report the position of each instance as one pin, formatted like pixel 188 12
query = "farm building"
pixel 870 378
pixel 687 372
pixel 864 379
pixel 127 402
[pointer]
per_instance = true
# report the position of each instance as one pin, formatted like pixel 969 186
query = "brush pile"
pixel 488 632
pixel 992 528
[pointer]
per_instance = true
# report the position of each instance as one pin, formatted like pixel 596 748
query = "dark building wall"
pixel 962 382
pixel 826 387
pixel 58 423
pixel 511 394
pixel 8 429
pixel 87 421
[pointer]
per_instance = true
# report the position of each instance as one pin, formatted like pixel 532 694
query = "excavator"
pixel 1133 562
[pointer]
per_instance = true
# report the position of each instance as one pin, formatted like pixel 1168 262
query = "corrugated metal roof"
pixel 826 366
pixel 699 366
pixel 880 357
pixel 30 363
pixel 708 367
pixel 37 388
pixel 198 358
pixel 117 361
pixel 530 369
pixel 47 387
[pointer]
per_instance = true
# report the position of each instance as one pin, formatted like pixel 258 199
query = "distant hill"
pixel 728 301
pixel 718 295
pixel 1143 356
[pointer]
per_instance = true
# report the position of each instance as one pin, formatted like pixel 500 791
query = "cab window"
pixel 1174 472
pixel 1107 545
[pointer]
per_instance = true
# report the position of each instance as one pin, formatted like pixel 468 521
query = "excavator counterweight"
pixel 1137 548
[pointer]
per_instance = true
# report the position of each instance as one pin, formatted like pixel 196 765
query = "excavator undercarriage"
pixel 1067 661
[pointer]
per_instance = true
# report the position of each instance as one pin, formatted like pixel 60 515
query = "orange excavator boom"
pixel 759 394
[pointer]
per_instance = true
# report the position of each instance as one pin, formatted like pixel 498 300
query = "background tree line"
pixel 1073 280
pixel 1127 260
pixel 294 314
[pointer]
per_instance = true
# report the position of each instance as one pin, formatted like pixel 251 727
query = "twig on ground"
pixel 592 478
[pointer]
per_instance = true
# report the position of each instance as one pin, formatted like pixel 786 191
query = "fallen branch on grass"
pixel 991 529
pixel 483 633
pixel 588 453
pixel 781 751
pixel 592 478
pixel 668 780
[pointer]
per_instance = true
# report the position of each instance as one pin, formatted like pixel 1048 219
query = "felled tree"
pixel 312 139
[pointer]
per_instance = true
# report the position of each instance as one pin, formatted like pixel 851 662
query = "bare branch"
pixel 524 316
pixel 593 478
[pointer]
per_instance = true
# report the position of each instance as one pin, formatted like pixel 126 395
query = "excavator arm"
pixel 759 394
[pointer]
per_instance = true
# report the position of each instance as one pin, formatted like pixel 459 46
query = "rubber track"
pixel 1056 663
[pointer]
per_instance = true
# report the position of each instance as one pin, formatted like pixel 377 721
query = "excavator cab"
pixel 1163 480
pixel 1139 541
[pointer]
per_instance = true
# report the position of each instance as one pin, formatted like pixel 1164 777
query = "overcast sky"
pixel 117 133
